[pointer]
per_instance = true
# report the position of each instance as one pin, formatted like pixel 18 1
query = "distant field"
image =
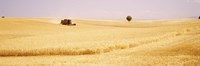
pixel 43 41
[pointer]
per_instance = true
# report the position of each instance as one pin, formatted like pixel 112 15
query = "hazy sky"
pixel 101 9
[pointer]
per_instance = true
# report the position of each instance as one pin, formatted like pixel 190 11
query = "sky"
pixel 101 9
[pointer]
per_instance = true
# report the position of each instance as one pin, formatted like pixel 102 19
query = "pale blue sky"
pixel 101 9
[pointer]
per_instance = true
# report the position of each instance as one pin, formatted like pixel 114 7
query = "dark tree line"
pixel 3 17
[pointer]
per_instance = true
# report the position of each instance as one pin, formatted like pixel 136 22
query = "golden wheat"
pixel 114 45
pixel 36 41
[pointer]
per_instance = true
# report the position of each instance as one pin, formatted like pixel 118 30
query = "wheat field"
pixel 44 42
